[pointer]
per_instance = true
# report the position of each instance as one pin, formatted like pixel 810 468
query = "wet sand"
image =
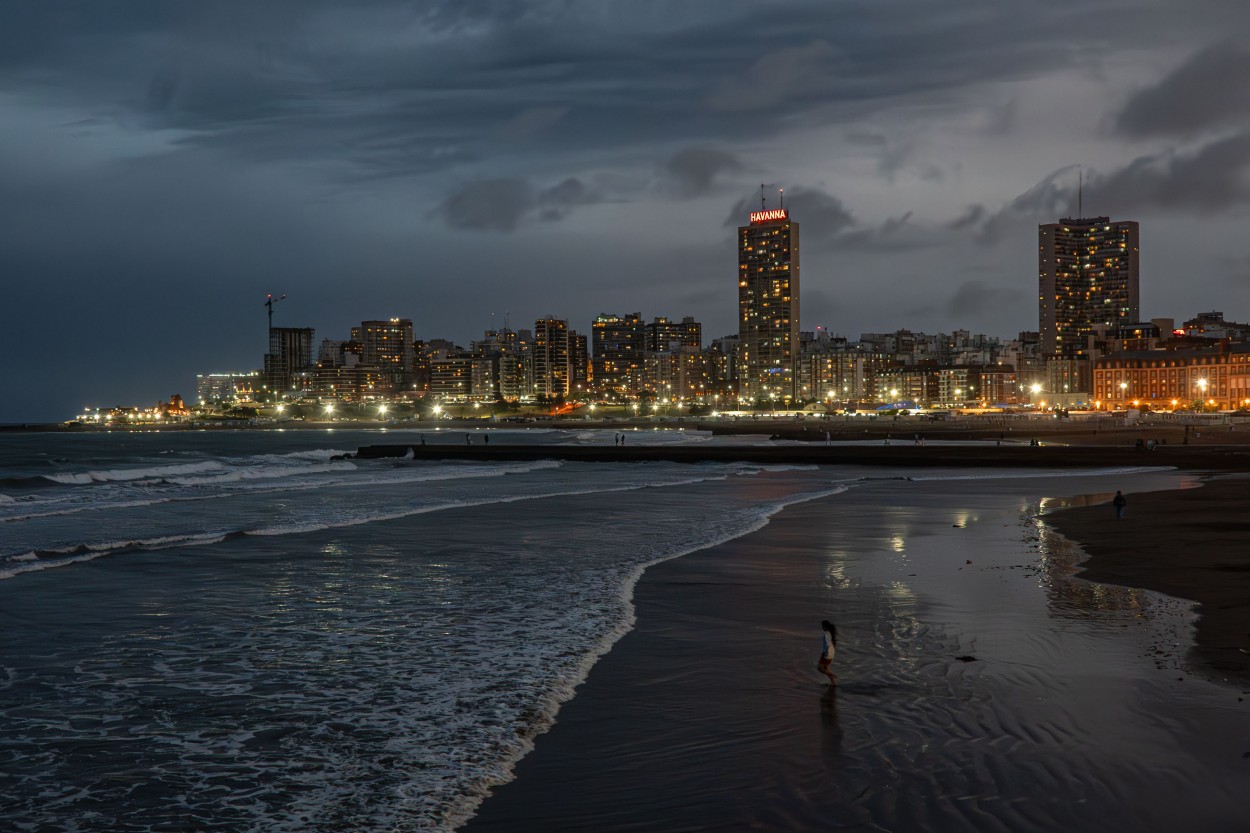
pixel 1078 712
pixel 1194 544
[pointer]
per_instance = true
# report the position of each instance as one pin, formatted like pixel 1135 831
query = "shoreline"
pixel 1190 544
pixel 709 715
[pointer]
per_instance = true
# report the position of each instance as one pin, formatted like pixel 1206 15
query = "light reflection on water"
pixel 1068 595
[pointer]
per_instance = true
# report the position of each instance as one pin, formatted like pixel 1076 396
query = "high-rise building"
pixel 768 306
pixel 387 345
pixel 663 334
pixel 579 366
pixel 618 342
pixel 1088 282
pixel 290 353
pixel 551 358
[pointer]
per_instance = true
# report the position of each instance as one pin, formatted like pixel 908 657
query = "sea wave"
pixel 401 474
pixel 260 473
pixel 88 478
pixel 65 556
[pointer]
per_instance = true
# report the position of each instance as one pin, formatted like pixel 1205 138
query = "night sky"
pixel 164 165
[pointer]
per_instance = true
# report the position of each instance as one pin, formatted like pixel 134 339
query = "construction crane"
pixel 269 302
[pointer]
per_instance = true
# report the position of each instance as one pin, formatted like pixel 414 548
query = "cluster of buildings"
pixel 1091 349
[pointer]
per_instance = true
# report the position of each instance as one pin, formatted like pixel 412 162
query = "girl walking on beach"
pixel 831 646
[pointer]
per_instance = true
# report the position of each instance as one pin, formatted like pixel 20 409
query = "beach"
pixel 261 630
pixel 1191 544
pixel 1075 705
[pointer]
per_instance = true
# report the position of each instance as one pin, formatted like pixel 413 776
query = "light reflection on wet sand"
pixel 1073 715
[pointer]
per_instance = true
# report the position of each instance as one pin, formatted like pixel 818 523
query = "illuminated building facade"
pixel 1088 276
pixel 662 334
pixel 768 306
pixel 387 346
pixel 552 375
pixel 226 387
pixel 618 343
pixel 1217 376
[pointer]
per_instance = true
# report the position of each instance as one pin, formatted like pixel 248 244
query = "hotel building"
pixel 1217 376
pixel 768 306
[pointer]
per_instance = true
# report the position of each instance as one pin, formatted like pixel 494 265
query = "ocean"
pixel 236 631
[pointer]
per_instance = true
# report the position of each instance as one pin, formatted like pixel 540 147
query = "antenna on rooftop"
pixel 762 208
pixel 782 192
pixel 1080 192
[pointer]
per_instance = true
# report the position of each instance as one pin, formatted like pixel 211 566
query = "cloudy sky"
pixel 164 165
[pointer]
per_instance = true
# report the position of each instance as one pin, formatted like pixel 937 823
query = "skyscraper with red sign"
pixel 768 308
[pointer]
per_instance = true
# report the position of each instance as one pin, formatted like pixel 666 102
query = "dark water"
pixel 237 632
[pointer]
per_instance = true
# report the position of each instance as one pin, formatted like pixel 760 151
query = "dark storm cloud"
pixel 502 204
pixel 454 84
pixel 691 171
pixel 1213 178
pixel 971 218
pixel 493 204
pixel 1211 89
pixel 975 298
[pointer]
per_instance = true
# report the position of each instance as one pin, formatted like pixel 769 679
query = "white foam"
pixel 116 475
pixel 565 686
pixel 262 473
pixel 90 552
pixel 232 487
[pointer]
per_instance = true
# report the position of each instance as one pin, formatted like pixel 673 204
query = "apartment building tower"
pixel 1088 282
pixel 768 306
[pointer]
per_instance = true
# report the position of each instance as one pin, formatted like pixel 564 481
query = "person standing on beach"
pixel 1119 502
pixel 831 646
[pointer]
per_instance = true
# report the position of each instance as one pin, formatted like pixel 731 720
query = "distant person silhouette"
pixel 830 649
pixel 1119 502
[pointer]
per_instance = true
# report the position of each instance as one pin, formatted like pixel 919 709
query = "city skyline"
pixel 166 167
